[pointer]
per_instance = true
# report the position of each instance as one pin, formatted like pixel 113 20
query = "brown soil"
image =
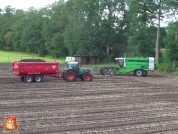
pixel 32 60
pixel 106 105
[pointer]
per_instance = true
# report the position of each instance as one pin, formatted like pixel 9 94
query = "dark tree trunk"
pixel 158 38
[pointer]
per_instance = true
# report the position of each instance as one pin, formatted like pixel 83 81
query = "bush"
pixel 165 67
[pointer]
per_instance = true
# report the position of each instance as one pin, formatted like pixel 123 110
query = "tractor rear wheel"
pixel 87 77
pixel 38 78
pixel 28 78
pixel 105 71
pixel 70 76
pixel 138 72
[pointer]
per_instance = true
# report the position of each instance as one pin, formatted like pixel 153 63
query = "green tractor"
pixel 73 71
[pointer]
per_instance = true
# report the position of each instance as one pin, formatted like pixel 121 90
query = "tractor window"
pixel 121 63
pixel 73 65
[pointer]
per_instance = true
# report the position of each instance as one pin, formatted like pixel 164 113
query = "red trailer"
pixel 35 71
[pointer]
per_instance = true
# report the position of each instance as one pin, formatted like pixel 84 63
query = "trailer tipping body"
pixel 35 71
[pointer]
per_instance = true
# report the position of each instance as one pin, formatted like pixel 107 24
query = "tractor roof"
pixel 73 62
pixel 119 58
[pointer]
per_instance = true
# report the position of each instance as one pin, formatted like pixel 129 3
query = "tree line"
pixel 103 28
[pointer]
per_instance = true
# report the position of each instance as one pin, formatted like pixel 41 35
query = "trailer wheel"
pixel 145 73
pixel 38 78
pixel 28 78
pixel 70 76
pixel 87 77
pixel 105 71
pixel 22 78
pixel 138 72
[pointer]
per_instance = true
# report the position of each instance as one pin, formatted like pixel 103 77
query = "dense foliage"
pixel 104 28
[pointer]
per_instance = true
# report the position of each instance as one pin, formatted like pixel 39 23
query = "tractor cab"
pixel 73 65
pixel 121 62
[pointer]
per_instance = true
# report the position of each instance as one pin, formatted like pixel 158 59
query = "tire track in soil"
pixel 108 104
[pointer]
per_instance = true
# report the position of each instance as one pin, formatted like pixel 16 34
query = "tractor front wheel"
pixel 70 76
pixel 138 72
pixel 87 77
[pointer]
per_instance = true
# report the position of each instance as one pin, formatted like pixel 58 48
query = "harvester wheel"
pixel 38 78
pixel 105 71
pixel 70 76
pixel 28 78
pixel 87 77
pixel 101 71
pixel 138 72
pixel 145 73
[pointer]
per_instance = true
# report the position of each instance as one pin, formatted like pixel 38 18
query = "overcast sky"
pixel 25 4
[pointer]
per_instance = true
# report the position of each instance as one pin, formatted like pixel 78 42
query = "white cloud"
pixel 25 4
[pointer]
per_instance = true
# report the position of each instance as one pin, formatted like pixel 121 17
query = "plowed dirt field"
pixel 106 105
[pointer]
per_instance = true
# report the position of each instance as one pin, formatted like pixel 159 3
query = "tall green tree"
pixel 172 8
pixel 96 27
pixel 7 18
pixel 55 21
pixel 103 28
pixel 80 33
pixel 159 6
pixel 171 43
pixel 112 24
pixel 17 30
pixel 31 36
pixel 141 15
